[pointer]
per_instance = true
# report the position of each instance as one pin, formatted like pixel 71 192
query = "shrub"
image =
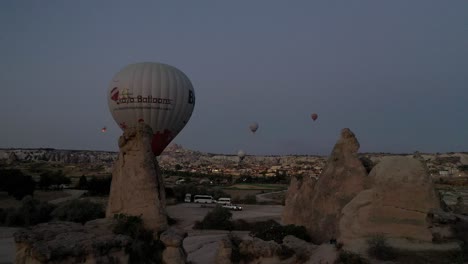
pixel 99 186
pixel 379 249
pixel 143 248
pixel 171 221
pixel 461 232
pixel 271 230
pixel 218 218
pixel 346 257
pixel 367 163
pixel 31 212
pixel 3 215
pixel 79 211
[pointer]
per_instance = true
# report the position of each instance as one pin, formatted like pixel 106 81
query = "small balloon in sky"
pixel 104 129
pixel 253 127
pixel 314 116
pixel 241 155
pixel 156 94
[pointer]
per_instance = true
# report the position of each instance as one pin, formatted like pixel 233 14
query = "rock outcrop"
pixel 137 187
pixel 174 253
pixel 67 242
pixel 317 205
pixel 397 204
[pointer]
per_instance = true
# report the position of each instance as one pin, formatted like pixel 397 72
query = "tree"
pixel 50 178
pixel 16 183
pixel 83 183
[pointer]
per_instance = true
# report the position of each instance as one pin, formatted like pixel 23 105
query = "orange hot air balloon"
pixel 314 116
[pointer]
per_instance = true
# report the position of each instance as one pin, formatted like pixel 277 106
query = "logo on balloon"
pixel 126 98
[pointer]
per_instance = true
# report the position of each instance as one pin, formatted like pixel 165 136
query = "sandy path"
pixel 73 194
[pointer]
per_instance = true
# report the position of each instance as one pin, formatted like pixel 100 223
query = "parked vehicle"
pixel 188 198
pixel 224 200
pixel 233 207
pixel 203 199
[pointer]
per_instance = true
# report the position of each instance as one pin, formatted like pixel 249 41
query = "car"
pixel 232 207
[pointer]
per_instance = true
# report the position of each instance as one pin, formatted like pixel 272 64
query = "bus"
pixel 203 199
pixel 224 200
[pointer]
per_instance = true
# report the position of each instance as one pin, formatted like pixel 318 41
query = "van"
pixel 188 198
pixel 224 200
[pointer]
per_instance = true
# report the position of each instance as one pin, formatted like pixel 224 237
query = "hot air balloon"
pixel 253 127
pixel 241 155
pixel 104 129
pixel 314 116
pixel 156 94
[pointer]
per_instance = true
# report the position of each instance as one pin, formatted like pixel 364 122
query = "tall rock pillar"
pixel 317 204
pixel 137 186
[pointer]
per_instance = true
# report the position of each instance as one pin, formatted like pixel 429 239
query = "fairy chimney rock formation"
pixel 397 204
pixel 137 187
pixel 317 203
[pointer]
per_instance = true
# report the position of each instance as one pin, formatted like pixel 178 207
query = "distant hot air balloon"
pixel 104 129
pixel 157 94
pixel 241 155
pixel 253 127
pixel 314 116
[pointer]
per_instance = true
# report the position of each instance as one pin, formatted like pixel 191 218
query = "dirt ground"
pixel 187 213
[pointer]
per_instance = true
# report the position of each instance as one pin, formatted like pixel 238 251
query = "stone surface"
pixel 67 242
pixel 299 246
pixel 325 253
pixel 174 255
pixel 173 237
pixel 397 204
pixel 223 256
pixel 317 204
pixel 137 187
pixel 260 251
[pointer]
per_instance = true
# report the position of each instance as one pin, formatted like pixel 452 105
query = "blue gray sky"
pixel 394 72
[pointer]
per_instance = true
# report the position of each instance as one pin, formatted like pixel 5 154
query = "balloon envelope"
pixel 314 116
pixel 157 94
pixel 241 154
pixel 253 127
pixel 104 129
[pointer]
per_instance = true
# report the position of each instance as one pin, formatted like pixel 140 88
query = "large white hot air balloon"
pixel 157 94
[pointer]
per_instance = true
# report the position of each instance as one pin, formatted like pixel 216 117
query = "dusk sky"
pixel 394 72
